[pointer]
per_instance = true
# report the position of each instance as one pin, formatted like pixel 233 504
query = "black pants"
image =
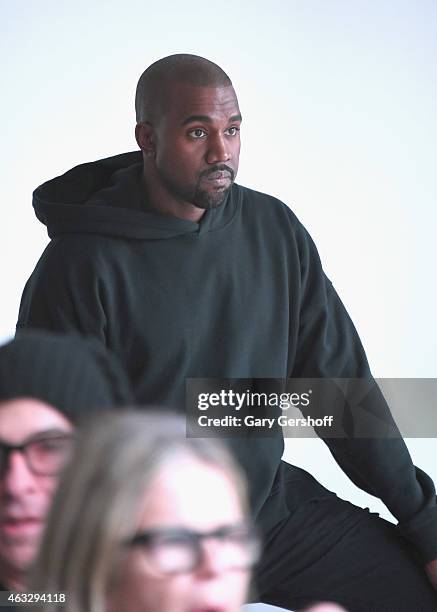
pixel 330 550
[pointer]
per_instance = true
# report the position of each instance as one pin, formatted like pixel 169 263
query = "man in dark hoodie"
pixel 185 274
pixel 49 383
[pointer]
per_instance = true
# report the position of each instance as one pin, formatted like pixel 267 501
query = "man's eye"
pixel 50 445
pixel 197 133
pixel 233 131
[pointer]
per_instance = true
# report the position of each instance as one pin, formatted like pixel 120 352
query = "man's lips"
pixel 218 179
pixel 28 525
pixel 219 174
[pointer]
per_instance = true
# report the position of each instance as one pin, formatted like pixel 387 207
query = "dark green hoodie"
pixel 241 294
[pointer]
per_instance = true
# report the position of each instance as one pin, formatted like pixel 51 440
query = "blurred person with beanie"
pixel 48 384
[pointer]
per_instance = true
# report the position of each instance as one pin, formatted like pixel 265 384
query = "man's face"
pixel 197 144
pixel 24 495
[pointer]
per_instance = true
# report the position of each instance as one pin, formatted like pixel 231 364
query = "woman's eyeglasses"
pixel 179 551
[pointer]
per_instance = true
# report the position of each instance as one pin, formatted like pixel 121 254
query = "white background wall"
pixel 339 102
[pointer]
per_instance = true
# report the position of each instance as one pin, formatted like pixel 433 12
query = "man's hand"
pixel 431 571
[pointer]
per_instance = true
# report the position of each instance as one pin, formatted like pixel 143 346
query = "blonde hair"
pixel 96 505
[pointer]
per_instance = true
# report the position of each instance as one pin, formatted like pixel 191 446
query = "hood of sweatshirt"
pixel 106 197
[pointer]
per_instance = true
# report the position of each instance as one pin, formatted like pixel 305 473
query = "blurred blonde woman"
pixel 146 520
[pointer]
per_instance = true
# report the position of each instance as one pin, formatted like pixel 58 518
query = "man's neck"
pixel 161 201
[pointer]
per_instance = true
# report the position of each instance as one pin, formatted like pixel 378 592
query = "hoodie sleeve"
pixel 329 347
pixel 64 293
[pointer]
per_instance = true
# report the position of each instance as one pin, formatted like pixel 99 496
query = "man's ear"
pixel 145 138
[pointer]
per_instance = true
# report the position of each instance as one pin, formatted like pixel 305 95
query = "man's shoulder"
pixel 268 208
pixel 73 250
pixel 83 243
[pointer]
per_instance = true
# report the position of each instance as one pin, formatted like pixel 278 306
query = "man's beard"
pixel 214 198
pixel 200 197
pixel 210 199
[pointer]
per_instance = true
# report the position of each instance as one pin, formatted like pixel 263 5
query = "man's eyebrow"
pixel 44 434
pixel 207 119
pixel 49 433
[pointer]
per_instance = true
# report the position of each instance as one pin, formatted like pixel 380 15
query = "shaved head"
pixel 154 87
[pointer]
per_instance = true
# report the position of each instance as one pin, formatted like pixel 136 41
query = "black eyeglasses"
pixel 45 456
pixel 179 551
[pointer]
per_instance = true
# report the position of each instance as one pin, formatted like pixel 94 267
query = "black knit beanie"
pixel 74 374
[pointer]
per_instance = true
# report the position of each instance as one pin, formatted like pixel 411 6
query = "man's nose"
pixel 17 478
pixel 218 150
